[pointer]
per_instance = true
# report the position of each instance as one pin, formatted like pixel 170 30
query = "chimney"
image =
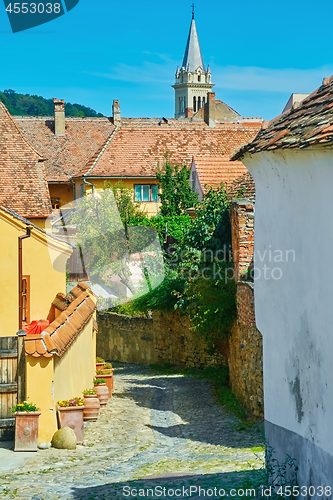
pixel 209 110
pixel 59 117
pixel 116 113
pixel 188 112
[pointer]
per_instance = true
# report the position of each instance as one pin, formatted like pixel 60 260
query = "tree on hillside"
pixel 34 105
pixel 176 196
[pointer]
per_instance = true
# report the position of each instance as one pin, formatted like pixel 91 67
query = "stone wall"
pixel 166 338
pixel 245 354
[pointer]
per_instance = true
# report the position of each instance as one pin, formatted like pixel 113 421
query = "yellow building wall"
pixel 41 223
pixel 39 391
pixel 49 380
pixel 75 370
pixel 9 318
pixel 45 281
pixel 151 207
pixel 62 191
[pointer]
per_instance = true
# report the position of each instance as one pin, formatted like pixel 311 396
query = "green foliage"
pixel 33 105
pixel 98 381
pixel 162 298
pixel 89 392
pixel 211 226
pixel 176 195
pixel 212 309
pixel 129 210
pixel 176 225
pixel 25 407
pixel 199 275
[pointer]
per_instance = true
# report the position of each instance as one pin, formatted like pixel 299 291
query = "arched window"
pixel 203 101
pixel 183 105
pixel 194 104
pixel 199 78
pixel 199 102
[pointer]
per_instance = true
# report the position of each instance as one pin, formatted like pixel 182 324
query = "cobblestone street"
pixel 158 430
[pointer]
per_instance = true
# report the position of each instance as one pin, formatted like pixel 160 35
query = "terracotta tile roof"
pixel 35 346
pixel 136 150
pixel 243 187
pixel 62 332
pixel 23 185
pixel 65 155
pixel 62 301
pixel 308 123
pixel 214 170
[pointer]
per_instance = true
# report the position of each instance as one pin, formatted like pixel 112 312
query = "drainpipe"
pixel 20 238
pixel 90 184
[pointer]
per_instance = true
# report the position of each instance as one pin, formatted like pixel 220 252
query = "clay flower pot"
pixel 100 366
pixel 26 430
pixel 91 407
pixel 102 392
pixel 107 375
pixel 72 416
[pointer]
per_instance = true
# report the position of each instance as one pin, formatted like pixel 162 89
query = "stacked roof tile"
pixel 23 185
pixel 136 151
pixel 308 123
pixel 62 332
pixel 214 170
pixel 65 154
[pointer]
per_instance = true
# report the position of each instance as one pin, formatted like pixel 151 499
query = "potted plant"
pixel 26 426
pixel 101 390
pixel 70 412
pixel 91 404
pixel 100 363
pixel 107 374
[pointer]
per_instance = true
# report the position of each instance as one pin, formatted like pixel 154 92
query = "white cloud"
pixel 248 78
pixel 270 80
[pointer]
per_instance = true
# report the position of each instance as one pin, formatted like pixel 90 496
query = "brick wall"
pixel 245 354
pixel 245 344
pixel 242 218
pixel 166 338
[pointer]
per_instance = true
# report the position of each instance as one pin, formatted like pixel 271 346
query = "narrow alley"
pixel 160 436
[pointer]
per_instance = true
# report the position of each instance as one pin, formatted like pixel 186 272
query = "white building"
pixel 291 161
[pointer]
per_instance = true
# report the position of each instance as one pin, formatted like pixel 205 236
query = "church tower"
pixel 193 80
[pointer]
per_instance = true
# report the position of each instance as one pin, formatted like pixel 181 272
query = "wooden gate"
pixel 8 385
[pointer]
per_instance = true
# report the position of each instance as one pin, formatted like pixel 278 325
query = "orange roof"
pixel 62 332
pixel 67 154
pixel 135 149
pixel 23 185
pixel 307 123
pixel 214 170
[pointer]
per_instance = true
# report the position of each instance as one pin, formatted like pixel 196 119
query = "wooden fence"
pixel 12 382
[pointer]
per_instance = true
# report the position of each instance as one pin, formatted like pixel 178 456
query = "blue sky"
pixel 259 53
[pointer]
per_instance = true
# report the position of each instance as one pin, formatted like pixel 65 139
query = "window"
pixel 146 192
pixel 199 103
pixel 199 78
pixel 183 105
pixel 194 104
pixel 26 299
pixel 203 101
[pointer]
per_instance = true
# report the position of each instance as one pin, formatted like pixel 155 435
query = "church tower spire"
pixel 193 80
